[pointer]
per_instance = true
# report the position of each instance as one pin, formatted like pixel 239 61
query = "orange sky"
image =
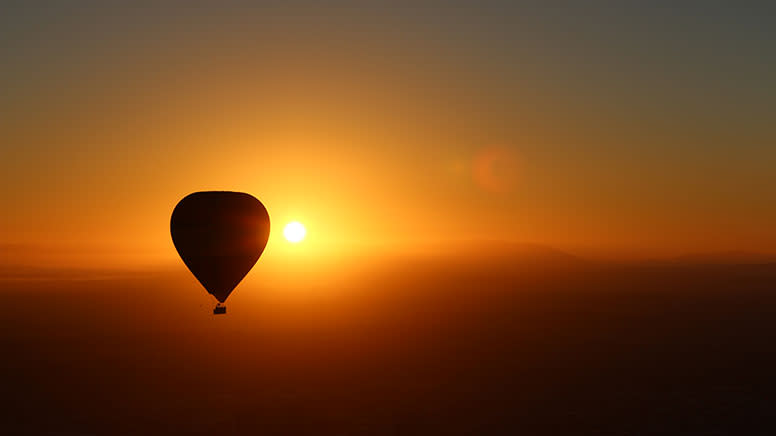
pixel 382 133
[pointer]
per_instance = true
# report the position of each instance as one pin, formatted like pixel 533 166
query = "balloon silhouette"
pixel 220 236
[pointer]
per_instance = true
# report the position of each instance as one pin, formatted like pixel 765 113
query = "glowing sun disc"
pixel 294 232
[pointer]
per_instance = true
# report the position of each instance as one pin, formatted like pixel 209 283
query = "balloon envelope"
pixel 220 236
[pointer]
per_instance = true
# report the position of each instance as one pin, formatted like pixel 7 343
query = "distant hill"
pixel 726 257
pixel 498 256
pixel 527 252
pixel 28 272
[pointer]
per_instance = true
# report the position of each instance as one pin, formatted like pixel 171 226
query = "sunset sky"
pixel 590 127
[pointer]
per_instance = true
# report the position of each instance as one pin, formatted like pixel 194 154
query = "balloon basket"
pixel 219 310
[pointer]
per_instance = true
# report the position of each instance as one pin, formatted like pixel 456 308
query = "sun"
pixel 294 232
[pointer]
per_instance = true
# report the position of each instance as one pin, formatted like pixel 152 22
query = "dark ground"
pixel 417 347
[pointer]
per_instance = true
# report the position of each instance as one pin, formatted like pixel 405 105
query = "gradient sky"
pixel 625 128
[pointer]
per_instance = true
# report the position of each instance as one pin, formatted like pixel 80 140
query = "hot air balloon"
pixel 219 235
